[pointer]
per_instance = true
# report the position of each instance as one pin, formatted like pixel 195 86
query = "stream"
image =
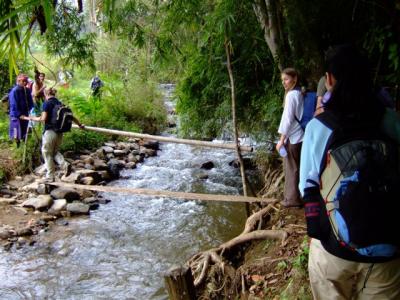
pixel 122 250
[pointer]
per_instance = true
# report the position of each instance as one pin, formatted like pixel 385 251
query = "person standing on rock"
pixel 51 139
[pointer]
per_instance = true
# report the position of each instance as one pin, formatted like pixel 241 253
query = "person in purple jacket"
pixel 20 104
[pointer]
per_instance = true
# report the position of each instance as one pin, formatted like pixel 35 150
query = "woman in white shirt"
pixel 291 137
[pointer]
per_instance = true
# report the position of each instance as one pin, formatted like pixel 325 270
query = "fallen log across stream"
pixel 230 146
pixel 168 194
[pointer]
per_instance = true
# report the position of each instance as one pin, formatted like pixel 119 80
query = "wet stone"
pixel 207 165
pixel 78 208
pixel 65 193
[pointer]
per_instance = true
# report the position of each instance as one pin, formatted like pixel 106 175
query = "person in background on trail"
pixel 289 144
pixel 38 93
pixel 51 140
pixel 20 101
pixel 338 271
pixel 95 85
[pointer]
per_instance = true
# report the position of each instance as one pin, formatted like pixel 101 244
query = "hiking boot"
pixel 67 169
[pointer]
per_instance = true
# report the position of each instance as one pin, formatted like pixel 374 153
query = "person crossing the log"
pixel 52 136
pixel 349 179
pixel 291 137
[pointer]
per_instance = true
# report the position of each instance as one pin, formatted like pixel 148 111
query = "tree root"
pixel 201 262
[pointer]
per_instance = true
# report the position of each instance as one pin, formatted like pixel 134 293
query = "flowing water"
pixel 122 250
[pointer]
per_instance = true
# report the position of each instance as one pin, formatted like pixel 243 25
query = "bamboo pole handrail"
pixel 167 194
pixel 229 146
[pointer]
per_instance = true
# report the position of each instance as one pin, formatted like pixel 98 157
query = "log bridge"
pixel 230 146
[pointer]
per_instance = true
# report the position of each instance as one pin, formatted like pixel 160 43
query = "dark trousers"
pixel 292 167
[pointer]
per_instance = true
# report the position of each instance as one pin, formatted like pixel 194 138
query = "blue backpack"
pixel 358 196
pixel 310 102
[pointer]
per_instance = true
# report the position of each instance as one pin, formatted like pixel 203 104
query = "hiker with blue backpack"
pixel 291 137
pixel 57 119
pixel 350 182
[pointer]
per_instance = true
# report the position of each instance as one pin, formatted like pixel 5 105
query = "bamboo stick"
pixel 167 194
pixel 230 146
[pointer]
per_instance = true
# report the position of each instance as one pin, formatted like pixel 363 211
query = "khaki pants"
pixel 334 278
pixel 51 143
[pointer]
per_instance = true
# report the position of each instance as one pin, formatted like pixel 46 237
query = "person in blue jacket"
pixel 335 271
pixel 20 104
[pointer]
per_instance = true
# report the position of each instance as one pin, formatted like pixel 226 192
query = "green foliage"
pixel 204 93
pixel 300 262
pixel 77 140
pixel 135 106
pixel 67 39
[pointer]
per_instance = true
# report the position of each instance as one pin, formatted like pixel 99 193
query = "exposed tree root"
pixel 201 262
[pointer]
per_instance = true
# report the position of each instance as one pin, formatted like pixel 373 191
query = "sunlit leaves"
pixel 67 40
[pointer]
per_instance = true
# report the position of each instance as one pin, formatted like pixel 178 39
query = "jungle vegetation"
pixel 138 43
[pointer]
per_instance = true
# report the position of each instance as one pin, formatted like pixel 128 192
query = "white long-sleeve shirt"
pixel 289 126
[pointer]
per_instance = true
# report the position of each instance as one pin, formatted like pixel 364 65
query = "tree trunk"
pixel 269 16
pixel 235 129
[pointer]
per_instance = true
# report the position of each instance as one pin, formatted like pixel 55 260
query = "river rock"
pixel 41 202
pixel 65 193
pixel 130 165
pixel 78 208
pixel 24 232
pixel 94 206
pixel 44 189
pixel 8 192
pixel 120 153
pixel 47 218
pixel 89 167
pixel 100 165
pixel 110 144
pixel 7 201
pixel 87 181
pixel 248 163
pixel 90 200
pixel 30 187
pixel 114 166
pixel 5 233
pixel 105 175
pixel 72 178
pixel 135 152
pixel 124 146
pixel 150 152
pixel 110 155
pixel 19 181
pixel 58 206
pixel 107 149
pixel 152 145
pixel 131 158
pixel 100 153
pixel 88 160
pixel 207 165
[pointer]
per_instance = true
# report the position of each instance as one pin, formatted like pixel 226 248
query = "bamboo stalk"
pixel 229 146
pixel 167 194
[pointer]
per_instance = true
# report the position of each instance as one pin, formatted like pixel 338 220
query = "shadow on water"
pixel 123 249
